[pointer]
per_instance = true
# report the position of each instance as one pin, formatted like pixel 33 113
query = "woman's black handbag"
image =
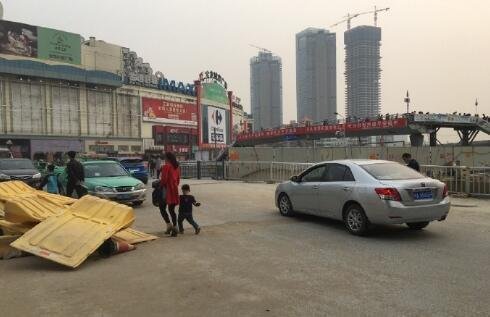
pixel 158 195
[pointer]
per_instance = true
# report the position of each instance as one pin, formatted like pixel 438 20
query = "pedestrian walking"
pixel 151 166
pixel 76 176
pixel 169 181
pixel 50 180
pixel 185 209
pixel 158 166
pixel 411 162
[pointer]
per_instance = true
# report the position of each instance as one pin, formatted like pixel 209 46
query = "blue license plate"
pixel 124 196
pixel 422 194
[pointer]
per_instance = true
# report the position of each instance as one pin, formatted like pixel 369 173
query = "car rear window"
pixel 391 171
pixel 12 164
pixel 131 161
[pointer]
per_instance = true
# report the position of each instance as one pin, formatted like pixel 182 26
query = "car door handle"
pixel 347 189
pixel 315 187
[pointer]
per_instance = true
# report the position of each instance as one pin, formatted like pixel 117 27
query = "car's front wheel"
pixel 417 225
pixel 355 220
pixel 285 206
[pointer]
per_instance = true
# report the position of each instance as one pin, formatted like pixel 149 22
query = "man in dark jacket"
pixel 412 163
pixel 76 177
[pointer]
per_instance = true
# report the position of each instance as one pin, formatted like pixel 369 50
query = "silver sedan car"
pixel 364 192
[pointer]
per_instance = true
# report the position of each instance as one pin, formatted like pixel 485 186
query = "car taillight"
pixel 388 194
pixel 445 191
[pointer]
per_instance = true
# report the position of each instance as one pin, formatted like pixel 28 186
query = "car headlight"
pixel 4 177
pixel 104 189
pixel 140 186
pixel 36 176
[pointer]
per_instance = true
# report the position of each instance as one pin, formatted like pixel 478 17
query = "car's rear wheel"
pixel 285 206
pixel 417 225
pixel 355 220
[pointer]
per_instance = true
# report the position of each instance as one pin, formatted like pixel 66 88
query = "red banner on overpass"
pixel 325 129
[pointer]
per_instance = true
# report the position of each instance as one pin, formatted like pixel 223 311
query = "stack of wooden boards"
pixel 58 228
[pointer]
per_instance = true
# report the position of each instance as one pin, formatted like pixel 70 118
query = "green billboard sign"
pixel 214 92
pixel 58 46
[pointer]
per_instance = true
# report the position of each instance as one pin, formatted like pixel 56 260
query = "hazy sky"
pixel 438 49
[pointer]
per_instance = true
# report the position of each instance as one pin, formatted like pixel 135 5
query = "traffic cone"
pixel 122 247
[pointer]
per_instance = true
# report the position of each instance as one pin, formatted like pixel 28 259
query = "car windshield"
pixel 12 164
pixel 104 170
pixel 391 171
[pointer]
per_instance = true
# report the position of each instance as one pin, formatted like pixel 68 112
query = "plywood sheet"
pixel 69 238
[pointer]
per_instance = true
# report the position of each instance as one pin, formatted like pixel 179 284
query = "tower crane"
pixel 260 48
pixel 349 17
pixel 375 11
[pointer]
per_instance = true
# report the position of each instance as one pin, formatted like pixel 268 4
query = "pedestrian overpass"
pixel 415 125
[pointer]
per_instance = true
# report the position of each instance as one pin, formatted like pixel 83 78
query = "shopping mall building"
pixel 59 92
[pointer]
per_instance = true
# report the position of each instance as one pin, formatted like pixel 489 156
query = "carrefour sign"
pixel 217 125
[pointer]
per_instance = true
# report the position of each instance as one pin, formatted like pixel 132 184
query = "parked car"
pixel 110 180
pixel 364 192
pixel 135 166
pixel 19 169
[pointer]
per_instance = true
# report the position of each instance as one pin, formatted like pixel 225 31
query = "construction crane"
pixel 260 48
pixel 375 11
pixel 349 17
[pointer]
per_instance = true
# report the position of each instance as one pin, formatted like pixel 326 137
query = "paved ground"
pixel 250 261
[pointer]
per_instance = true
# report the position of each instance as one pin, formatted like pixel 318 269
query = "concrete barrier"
pixel 437 155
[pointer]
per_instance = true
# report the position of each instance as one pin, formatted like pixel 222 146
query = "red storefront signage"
pixel 182 149
pixel 165 111
pixel 351 127
pixel 174 130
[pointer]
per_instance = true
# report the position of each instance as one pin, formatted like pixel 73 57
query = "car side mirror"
pixel 295 179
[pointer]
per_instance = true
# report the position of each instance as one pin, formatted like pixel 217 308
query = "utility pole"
pixel 215 142
pixel 407 101
pixel 476 106
pixel 345 128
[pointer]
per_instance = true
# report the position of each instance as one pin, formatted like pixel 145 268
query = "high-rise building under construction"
pixel 362 71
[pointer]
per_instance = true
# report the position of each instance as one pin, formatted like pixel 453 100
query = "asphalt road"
pixel 250 261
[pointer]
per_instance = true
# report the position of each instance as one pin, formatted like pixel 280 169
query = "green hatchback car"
pixel 109 180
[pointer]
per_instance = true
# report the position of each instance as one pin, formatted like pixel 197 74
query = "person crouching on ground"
pixel 170 179
pixel 185 209
pixel 51 180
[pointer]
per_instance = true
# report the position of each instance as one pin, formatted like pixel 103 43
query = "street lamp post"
pixel 215 142
pixel 345 127
pixel 407 101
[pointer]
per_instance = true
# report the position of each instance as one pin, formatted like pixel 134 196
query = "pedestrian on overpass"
pixel 169 181
pixel 411 162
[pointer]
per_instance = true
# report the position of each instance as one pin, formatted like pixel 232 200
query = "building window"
pixel 136 148
pixel 27 108
pixel 123 148
pixel 66 115
pixel 99 104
